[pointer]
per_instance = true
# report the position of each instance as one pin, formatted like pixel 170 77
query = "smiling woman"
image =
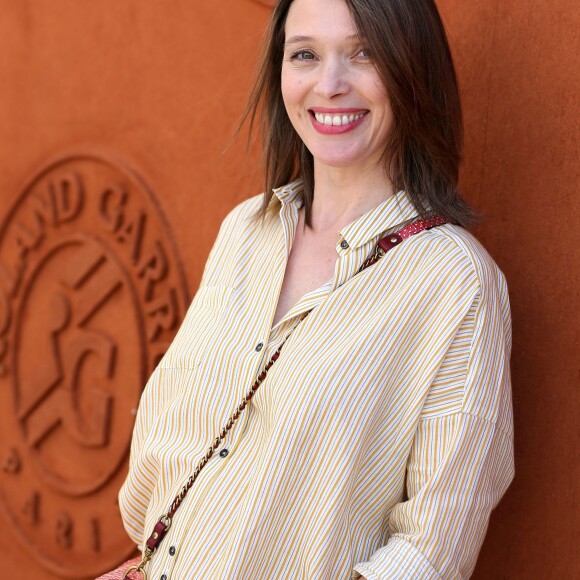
pixel 408 61
pixel 331 87
pixel 352 415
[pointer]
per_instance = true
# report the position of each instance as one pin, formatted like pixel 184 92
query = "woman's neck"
pixel 341 195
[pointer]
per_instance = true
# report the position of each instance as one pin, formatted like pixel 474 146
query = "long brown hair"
pixel 409 47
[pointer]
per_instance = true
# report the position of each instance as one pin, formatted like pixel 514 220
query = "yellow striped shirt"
pixel 381 439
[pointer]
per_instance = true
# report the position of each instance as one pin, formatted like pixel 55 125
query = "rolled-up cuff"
pixel 398 560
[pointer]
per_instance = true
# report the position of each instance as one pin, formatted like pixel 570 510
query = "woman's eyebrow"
pixel 300 39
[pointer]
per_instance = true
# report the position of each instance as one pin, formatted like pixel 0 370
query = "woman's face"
pixel 332 91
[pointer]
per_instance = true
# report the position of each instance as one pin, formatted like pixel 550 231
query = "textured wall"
pixel 518 66
pixel 114 118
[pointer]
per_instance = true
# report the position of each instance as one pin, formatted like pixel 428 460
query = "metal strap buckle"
pixel 140 567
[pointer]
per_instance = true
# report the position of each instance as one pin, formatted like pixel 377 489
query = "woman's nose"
pixel 332 79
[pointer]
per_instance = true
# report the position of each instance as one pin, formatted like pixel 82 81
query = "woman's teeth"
pixel 337 119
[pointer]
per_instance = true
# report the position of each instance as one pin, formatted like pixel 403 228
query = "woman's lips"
pixel 335 121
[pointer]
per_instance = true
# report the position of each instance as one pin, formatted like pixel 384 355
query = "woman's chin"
pixel 341 161
pixel 345 155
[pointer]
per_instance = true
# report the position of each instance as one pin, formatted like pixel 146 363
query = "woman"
pixel 380 438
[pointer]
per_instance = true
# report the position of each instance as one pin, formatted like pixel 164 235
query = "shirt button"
pixel 259 346
pixel 163 577
pixel 224 453
pixel 172 551
pixel 344 244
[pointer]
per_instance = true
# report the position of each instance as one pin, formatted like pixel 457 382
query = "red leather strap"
pixel 395 239
pixel 157 535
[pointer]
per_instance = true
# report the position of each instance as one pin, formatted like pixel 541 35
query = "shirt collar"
pixel 289 193
pixel 391 213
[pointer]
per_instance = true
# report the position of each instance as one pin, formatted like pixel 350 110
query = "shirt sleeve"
pixel 461 459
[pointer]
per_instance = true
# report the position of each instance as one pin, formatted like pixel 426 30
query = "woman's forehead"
pixel 313 19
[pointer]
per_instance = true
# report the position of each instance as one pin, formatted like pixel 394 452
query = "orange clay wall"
pixel 116 170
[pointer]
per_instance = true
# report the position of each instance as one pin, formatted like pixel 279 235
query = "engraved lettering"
pixel 64 530
pixel 26 239
pixel 89 428
pixel 11 276
pixel 42 210
pixel 153 269
pixel 132 234
pixel 163 313
pixel 95 534
pixel 65 200
pixel 130 231
pixel 5 313
pixel 4 369
pixel 12 463
pixel 112 207
pixel 31 509
pixel 93 281
pixel 67 197
pixel 5 320
pixel 21 239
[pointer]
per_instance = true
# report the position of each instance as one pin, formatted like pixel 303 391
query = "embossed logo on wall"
pixel 91 294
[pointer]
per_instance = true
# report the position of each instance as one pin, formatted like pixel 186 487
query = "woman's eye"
pixel 303 55
pixel 363 53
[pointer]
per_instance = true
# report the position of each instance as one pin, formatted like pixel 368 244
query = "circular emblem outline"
pixel 13 463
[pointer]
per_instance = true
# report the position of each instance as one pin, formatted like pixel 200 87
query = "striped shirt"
pixel 381 439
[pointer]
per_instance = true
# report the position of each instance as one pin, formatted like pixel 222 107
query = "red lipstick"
pixel 320 116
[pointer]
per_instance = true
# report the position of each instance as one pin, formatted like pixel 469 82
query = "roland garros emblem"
pixel 91 294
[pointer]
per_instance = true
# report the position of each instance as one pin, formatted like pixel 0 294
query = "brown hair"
pixel 407 41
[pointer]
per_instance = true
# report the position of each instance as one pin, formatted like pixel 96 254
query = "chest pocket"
pixel 201 329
